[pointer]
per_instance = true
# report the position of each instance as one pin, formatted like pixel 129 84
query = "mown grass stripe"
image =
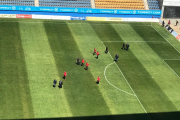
pixel 151 59
pixel 82 93
pixel 42 70
pixel 144 86
pixel 86 39
pixel 15 101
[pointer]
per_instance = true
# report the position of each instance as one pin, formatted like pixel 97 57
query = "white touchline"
pixel 171 69
pixel 129 85
pixel 165 39
pixel 112 84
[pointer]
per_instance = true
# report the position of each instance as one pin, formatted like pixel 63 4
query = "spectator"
pixel 163 23
pixel 177 22
pixel 169 22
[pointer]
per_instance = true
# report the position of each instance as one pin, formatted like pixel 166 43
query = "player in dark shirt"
pixel 106 50
pixel 54 83
pixel 60 84
pixel 123 46
pixel 127 46
pixel 78 61
pixel 116 57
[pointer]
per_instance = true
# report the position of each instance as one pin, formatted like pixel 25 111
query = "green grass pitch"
pixel 144 83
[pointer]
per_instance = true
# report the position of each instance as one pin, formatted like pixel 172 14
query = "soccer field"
pixel 143 84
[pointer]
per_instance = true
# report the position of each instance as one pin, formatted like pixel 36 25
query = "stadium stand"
pixel 120 4
pixel 17 2
pixel 66 3
pixel 153 4
pixel 106 4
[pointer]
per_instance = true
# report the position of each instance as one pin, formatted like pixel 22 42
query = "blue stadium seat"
pixel 153 4
pixel 17 2
pixel 66 3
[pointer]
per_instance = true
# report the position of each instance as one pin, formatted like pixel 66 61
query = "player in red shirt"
pixel 82 62
pixel 97 54
pixel 98 79
pixel 87 64
pixel 65 73
pixel 94 51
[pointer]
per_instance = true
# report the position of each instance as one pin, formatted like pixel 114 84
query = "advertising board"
pixel 23 16
pixel 78 18
pixel 7 15
pixel 53 17
pixel 114 19
pixel 96 18
pixel 178 37
pixel 79 10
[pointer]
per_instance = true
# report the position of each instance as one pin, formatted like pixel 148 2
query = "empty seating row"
pixel 17 2
pixel 112 3
pixel 66 3
pixel 27 2
pixel 121 1
pixel 50 1
pixel 154 7
pixel 116 6
pixel 127 8
pixel 153 4
pixel 74 6
pixel 72 2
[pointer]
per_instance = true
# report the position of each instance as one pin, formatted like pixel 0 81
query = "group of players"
pixel 87 64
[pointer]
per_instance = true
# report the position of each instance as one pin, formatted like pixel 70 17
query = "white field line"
pixel 129 85
pixel 112 84
pixel 171 69
pixel 132 41
pixel 165 38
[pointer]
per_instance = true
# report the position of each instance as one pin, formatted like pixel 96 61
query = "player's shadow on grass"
pixel 77 63
pixel 115 60
pixel 106 52
pixel 97 82
pixel 59 86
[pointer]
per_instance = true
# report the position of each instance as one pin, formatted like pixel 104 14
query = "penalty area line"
pixel 112 84
pixel 129 85
pixel 165 39
pixel 171 69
